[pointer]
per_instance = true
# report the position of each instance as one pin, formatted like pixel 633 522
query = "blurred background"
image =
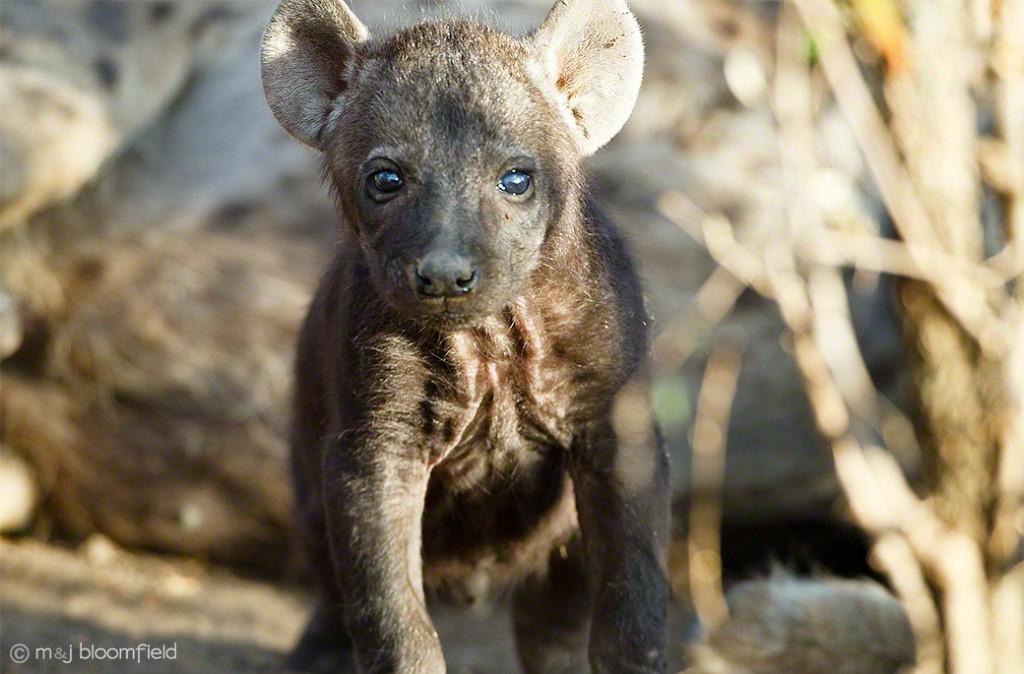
pixel 827 200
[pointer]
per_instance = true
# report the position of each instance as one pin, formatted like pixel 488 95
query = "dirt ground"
pixel 98 596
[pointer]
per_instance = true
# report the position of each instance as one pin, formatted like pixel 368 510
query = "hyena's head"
pixel 454 149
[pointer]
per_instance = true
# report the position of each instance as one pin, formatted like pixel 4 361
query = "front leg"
pixel 622 497
pixel 374 505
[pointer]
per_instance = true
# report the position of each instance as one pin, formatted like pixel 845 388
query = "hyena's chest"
pixel 503 414
pixel 499 496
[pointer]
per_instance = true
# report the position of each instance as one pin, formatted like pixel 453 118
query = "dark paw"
pixel 307 659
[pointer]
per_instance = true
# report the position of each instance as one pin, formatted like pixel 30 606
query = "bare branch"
pixel 710 430
pixel 712 303
pixel 901 198
pixel 894 557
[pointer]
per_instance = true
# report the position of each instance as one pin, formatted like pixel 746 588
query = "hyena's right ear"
pixel 592 55
pixel 306 63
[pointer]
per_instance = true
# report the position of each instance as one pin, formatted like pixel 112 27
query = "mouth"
pixel 446 312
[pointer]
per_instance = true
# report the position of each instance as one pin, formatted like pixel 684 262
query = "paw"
pixel 309 660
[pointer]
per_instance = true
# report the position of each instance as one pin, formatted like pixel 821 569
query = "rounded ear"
pixel 592 52
pixel 306 62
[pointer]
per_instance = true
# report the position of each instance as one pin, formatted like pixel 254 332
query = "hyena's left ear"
pixel 592 53
pixel 306 63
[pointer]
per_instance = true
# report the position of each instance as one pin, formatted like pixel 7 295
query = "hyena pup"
pixel 461 373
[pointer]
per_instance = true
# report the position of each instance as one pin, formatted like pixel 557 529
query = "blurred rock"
pixel 19 493
pixel 10 325
pixel 100 550
pixel 808 626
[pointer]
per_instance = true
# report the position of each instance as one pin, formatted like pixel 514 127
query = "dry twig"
pixel 710 430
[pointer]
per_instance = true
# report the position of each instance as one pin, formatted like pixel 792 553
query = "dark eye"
pixel 515 182
pixel 386 181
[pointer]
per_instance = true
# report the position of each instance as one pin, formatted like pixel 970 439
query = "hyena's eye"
pixel 387 181
pixel 515 182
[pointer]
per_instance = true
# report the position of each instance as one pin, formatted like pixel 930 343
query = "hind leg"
pixel 324 645
pixel 551 615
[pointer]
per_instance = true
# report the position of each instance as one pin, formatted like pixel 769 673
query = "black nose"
pixel 443 274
